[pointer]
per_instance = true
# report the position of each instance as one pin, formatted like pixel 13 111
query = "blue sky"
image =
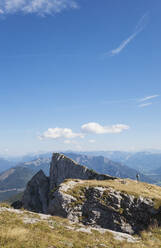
pixel 80 75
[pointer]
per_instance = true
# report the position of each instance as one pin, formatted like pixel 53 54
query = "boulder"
pixel 17 204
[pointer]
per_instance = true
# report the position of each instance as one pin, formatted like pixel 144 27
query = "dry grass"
pixel 15 234
pixel 54 233
pixel 127 186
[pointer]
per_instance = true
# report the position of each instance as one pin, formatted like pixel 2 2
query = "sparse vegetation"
pixel 130 187
pixel 78 193
pixel 5 205
pixel 59 233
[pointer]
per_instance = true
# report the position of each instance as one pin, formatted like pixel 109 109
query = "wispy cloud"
pixel 40 7
pixel 145 104
pixel 123 45
pixel 139 27
pixel 139 102
pixel 148 98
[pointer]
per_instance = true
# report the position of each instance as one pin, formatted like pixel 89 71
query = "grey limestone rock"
pixel 62 168
pixel 104 207
pixel 95 206
pixel 35 197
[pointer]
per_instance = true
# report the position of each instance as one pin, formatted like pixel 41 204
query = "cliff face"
pixel 37 194
pixel 103 206
pixel 35 197
pixel 62 168
pixel 82 195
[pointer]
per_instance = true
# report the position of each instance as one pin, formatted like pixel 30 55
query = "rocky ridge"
pixel 102 206
pixel 82 195
pixel 37 196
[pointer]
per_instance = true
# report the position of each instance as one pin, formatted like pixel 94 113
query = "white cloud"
pixel 145 105
pixel 40 7
pixel 123 45
pixel 67 134
pixel 67 141
pixel 148 98
pixel 96 128
pixel 56 133
pixel 70 142
pixel 139 27
pixel 91 141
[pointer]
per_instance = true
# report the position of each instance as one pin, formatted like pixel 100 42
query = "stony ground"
pixel 24 229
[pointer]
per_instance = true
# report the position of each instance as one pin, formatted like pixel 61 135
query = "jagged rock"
pixel 96 206
pixel 104 207
pixel 17 204
pixel 35 197
pixel 62 168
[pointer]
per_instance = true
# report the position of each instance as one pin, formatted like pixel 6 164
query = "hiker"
pixel 137 177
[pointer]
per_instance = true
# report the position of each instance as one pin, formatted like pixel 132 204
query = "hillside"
pixel 14 180
pixel 19 228
pixel 15 177
pixel 5 164
pixel 41 163
pixel 82 195
pixel 94 210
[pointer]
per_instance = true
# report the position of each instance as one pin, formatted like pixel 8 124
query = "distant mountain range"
pixel 106 166
pixel 40 163
pixel 144 161
pixel 15 179
pixel 5 164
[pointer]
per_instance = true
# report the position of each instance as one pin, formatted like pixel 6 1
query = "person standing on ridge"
pixel 137 177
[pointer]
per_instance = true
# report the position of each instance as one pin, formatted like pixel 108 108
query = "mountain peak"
pixel 91 198
pixel 62 168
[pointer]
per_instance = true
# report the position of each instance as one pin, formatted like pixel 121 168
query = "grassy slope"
pixel 124 185
pixel 54 233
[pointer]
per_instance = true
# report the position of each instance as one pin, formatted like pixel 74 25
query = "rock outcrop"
pixel 62 168
pixel 75 192
pixel 35 197
pixel 103 206
pixel 37 194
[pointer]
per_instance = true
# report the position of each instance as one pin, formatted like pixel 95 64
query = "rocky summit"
pixel 37 196
pixel 62 168
pixel 75 192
